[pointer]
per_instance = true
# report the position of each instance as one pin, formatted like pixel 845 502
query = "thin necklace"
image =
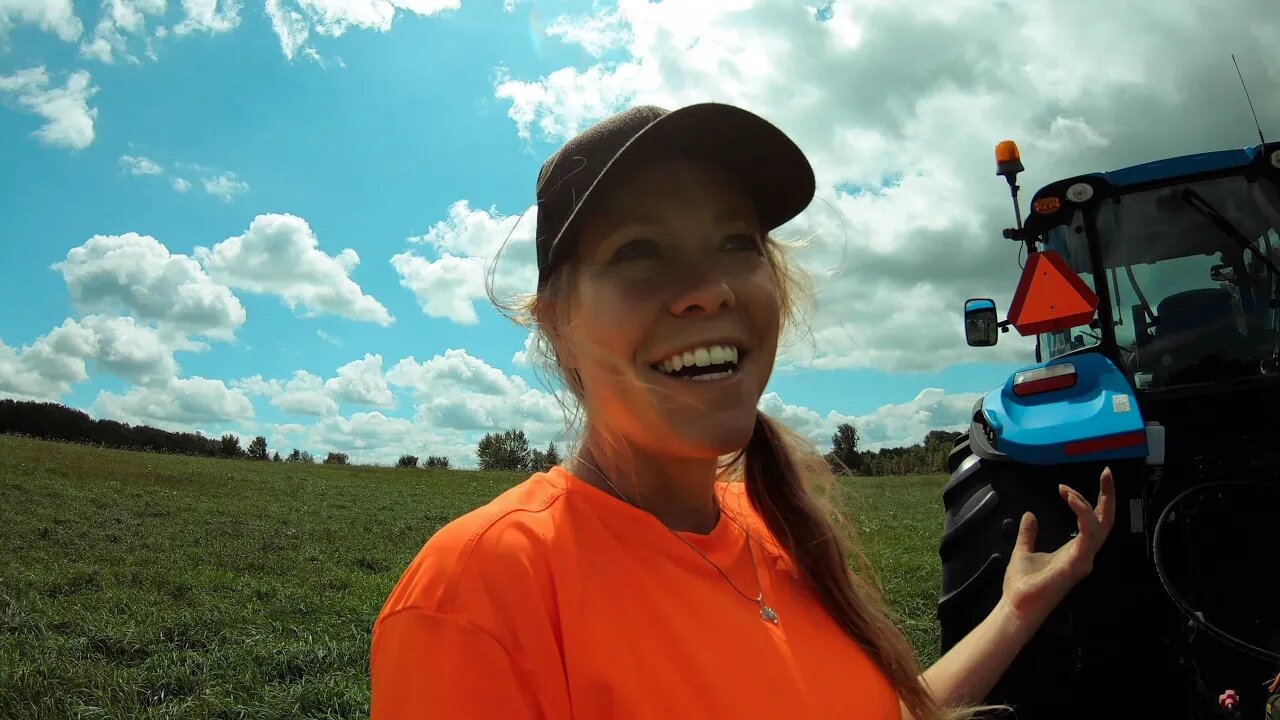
pixel 766 613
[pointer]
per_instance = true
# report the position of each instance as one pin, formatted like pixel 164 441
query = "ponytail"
pixel 777 487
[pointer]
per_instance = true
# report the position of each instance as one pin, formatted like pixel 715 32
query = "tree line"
pixel 925 458
pixel 509 450
pixel 54 421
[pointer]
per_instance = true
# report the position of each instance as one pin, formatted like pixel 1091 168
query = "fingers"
pixel 1026 534
pixel 1085 516
pixel 1106 500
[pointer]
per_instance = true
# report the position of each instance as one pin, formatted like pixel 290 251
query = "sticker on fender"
pixel 1120 403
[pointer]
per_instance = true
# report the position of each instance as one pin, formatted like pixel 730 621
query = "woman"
pixel 682 562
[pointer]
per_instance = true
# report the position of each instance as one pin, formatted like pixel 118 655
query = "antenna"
pixel 1246 97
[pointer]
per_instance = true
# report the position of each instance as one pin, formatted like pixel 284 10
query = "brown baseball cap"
pixel 774 172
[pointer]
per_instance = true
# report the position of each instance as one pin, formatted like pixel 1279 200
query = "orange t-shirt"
pixel 558 600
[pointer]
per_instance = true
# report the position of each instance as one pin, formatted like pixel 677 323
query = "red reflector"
pixel 1103 444
pixel 1033 387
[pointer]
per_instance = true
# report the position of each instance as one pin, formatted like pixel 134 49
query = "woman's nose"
pixel 704 293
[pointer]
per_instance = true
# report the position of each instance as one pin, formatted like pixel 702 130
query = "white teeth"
pixel 713 376
pixel 701 357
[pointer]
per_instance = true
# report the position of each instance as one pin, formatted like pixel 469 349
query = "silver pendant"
pixel 768 614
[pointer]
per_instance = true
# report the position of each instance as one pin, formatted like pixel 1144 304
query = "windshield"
pixel 1069 242
pixel 1191 301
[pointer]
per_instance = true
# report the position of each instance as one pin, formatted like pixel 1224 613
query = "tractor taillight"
pixel 1103 444
pixel 1045 379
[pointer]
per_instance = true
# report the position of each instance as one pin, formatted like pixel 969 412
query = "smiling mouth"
pixel 708 362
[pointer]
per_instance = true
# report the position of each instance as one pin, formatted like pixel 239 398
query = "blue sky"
pixel 371 136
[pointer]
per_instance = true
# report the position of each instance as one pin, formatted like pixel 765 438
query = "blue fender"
pixel 1095 419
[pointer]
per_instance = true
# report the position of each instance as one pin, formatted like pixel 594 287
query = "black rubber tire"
pixel 984 503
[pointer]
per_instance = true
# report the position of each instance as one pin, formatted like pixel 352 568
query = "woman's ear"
pixel 553 322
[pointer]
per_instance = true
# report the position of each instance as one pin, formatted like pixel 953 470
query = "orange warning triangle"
pixel 1050 296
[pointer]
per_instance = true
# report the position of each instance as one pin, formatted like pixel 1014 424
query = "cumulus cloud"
pixel 303 394
pixel 68 119
pixel 892 425
pixel 181 184
pixel 898 106
pixel 225 186
pixel 47 368
pixel 280 255
pixel 458 391
pixel 361 382
pixel 136 273
pixel 179 404
pixel 464 245
pixel 55 16
pixel 294 21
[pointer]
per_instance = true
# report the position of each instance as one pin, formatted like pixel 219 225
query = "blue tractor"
pixel 1153 293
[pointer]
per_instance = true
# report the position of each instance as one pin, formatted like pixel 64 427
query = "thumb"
pixel 1027 534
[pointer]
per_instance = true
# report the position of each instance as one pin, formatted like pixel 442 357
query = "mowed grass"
pixel 136 585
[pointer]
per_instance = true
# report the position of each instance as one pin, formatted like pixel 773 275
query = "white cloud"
pixel 303 394
pixel 225 186
pixel 47 368
pixel 279 254
pixel 137 273
pixel 181 185
pixel 461 392
pixel 465 243
pixel 361 381
pixel 294 21
pixel 179 404
pixel 893 425
pixel 595 34
pixel 55 16
pixel 527 356
pixel 135 165
pixel 329 338
pixel 118 20
pixel 909 208
pixel 68 119
pixel 212 16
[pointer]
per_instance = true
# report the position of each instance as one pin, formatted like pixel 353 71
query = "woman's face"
pixel 674 311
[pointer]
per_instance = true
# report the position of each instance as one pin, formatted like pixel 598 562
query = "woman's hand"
pixel 1035 582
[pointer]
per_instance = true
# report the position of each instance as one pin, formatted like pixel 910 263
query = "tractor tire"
pixel 984 502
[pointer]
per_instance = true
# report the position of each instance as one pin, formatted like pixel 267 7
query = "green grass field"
pixel 135 585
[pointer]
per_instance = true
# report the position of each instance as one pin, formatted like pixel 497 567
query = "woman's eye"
pixel 742 241
pixel 636 249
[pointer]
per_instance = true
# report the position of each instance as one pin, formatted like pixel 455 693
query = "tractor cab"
pixel 1168 268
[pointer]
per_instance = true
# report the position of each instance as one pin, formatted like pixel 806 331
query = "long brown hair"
pixel 787 481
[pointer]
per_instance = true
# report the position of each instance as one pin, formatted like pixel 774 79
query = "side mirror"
pixel 981 326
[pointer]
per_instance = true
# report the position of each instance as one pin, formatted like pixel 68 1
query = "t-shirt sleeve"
pixel 470 630
pixel 426 665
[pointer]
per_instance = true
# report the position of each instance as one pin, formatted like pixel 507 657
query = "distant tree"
pixel 437 462
pixel 336 458
pixel 307 458
pixel 275 457
pixel 407 461
pixel 230 446
pixel 542 461
pixel 844 447
pixel 294 456
pixel 258 448
pixel 504 451
pixel 537 461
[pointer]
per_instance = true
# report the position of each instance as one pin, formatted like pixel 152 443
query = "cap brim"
pixel 771 168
